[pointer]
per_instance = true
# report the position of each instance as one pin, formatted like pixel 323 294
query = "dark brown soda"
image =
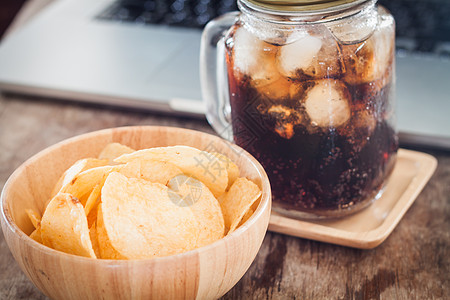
pixel 317 171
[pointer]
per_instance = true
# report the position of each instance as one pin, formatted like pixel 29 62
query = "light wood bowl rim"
pixel 265 202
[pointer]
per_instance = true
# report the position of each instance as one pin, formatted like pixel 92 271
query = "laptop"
pixel 73 50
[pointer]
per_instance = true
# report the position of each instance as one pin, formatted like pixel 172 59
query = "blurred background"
pixel 422 25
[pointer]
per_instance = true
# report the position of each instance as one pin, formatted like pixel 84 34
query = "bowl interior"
pixel 32 183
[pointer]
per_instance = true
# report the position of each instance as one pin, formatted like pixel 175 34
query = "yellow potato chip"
pixel 245 218
pixel 78 167
pixel 141 221
pixel 203 204
pixel 36 234
pixel 64 226
pixel 92 216
pixel 85 182
pixel 237 201
pixel 199 164
pixel 104 244
pixel 94 240
pixel 150 170
pixel 34 216
pixel 232 168
pixel 250 212
pixel 114 150
pixel 93 198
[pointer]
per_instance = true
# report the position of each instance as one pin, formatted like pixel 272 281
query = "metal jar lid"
pixel 302 5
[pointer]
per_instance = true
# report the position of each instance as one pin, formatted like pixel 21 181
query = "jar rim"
pixel 290 7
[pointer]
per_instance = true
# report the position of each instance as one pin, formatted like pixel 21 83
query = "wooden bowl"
pixel 204 273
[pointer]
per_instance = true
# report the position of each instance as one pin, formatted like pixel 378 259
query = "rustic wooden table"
pixel 413 263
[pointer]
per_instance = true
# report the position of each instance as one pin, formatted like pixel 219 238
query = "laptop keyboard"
pixel 421 25
pixel 186 13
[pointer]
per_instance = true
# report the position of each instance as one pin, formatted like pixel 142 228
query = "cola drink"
pixel 315 107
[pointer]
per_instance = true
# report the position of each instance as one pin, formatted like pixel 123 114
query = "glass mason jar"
pixel 307 87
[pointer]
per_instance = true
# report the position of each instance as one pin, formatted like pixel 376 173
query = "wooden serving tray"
pixel 371 226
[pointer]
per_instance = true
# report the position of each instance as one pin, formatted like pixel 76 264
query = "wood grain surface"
pixel 413 263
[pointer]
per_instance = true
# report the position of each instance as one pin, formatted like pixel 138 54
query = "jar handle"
pixel 213 74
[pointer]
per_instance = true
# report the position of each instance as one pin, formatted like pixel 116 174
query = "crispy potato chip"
pixel 34 216
pixel 93 198
pixel 150 170
pixel 232 168
pixel 92 216
pixel 78 167
pixel 85 182
pixel 141 221
pixel 237 201
pixel 247 216
pixel 199 164
pixel 36 235
pixel 105 248
pixel 64 226
pixel 94 240
pixel 250 212
pixel 203 204
pixel 114 150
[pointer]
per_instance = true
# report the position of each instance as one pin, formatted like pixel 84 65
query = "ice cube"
pixel 280 89
pixel 298 55
pixel 371 59
pixel 327 103
pixel 309 55
pixel 254 57
pixel 355 29
pixel 285 120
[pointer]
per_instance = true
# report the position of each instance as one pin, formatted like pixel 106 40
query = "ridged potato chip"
pixel 78 167
pixel 34 216
pixel 105 248
pixel 203 204
pixel 141 221
pixel 150 170
pixel 232 168
pixel 36 235
pixel 93 198
pixel 114 150
pixel 85 181
pixel 94 240
pixel 199 164
pixel 238 201
pixel 64 226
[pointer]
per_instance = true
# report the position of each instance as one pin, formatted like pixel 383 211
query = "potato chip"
pixel 64 226
pixel 78 167
pixel 232 168
pixel 199 164
pixel 203 204
pixel 85 181
pixel 105 248
pixel 34 216
pixel 245 218
pixel 93 198
pixel 249 213
pixel 36 234
pixel 141 221
pixel 92 216
pixel 114 150
pixel 237 201
pixel 94 240
pixel 150 170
